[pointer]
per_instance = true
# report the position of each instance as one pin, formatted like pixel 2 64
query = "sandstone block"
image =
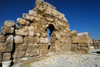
pixel 43 35
pixel 21 32
pixel 8 30
pixel 49 19
pixel 21 54
pixel 9 23
pixel 28 23
pixel 31 12
pixel 18 39
pixel 2 47
pixel 29 39
pixel 21 21
pixel 44 40
pixel 0 56
pixel 22 47
pixel 37 39
pixel 6 56
pixel 9 39
pixel 15 54
pixel 28 17
pixel 2 38
pixel 9 47
pixel 24 58
pixel 32 52
pixel 31 30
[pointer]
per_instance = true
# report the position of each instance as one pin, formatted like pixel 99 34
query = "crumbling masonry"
pixel 29 40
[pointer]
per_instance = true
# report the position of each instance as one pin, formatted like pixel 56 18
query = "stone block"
pixel 37 40
pixel 2 38
pixel 2 47
pixel 22 47
pixel 6 56
pixel 9 39
pixel 28 23
pixel 44 40
pixel 31 12
pixel 28 17
pixel 49 19
pixel 31 30
pixel 9 47
pixel 15 54
pixel 32 52
pixel 44 35
pixel 8 30
pixel 21 54
pixel 29 39
pixel 0 56
pixel 18 39
pixel 9 23
pixel 21 32
pixel 21 21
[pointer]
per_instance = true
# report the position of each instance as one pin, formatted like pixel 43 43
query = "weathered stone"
pixel 22 47
pixel 2 38
pixel 9 23
pixel 15 54
pixel 27 23
pixel 9 39
pixel 0 56
pixel 32 52
pixel 44 40
pixel 9 47
pixel 28 17
pixel 2 47
pixel 6 56
pixel 24 58
pixel 21 21
pixel 21 32
pixel 29 39
pixel 21 54
pixel 44 35
pixel 18 39
pixel 8 30
pixel 49 19
pixel 31 12
pixel 37 40
pixel 31 30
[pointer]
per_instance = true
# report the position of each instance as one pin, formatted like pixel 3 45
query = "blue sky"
pixel 83 15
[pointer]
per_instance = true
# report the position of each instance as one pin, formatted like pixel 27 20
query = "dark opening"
pixel 50 29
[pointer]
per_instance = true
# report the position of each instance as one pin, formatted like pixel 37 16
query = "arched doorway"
pixel 50 29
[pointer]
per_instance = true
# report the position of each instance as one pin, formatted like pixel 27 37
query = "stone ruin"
pixel 29 40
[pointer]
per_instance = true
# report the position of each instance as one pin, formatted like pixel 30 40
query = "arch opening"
pixel 50 29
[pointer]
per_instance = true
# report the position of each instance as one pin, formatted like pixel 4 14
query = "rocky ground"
pixel 65 60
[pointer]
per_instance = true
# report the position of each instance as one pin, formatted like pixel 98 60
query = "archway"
pixel 50 29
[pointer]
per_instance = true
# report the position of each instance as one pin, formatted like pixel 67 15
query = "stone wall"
pixel 80 42
pixel 96 44
pixel 29 39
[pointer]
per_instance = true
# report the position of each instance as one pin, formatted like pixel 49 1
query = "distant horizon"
pixel 82 15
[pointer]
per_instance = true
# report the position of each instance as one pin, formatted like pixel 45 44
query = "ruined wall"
pixel 80 42
pixel 29 40
pixel 96 44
